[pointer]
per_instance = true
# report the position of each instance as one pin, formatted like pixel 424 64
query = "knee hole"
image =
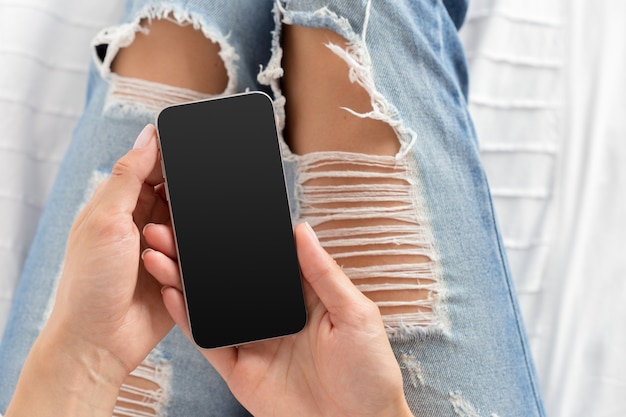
pixel 367 217
pixel 144 390
pixel 317 88
pixel 173 54
pixel 139 395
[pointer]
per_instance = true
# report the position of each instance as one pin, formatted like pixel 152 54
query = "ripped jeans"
pixel 414 229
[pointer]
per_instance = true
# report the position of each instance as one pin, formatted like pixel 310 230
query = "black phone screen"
pixel 230 211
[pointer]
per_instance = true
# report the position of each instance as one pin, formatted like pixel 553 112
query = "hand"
pixel 106 298
pixel 109 312
pixel 340 364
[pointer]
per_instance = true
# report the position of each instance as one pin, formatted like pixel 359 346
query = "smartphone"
pixel 226 190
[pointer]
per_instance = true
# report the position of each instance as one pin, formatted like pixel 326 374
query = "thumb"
pixel 329 282
pixel 120 192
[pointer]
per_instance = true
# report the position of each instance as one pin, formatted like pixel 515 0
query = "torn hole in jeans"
pixel 149 94
pixel 368 214
pixel 144 392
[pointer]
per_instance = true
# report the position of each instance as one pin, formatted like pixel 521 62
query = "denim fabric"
pixel 474 359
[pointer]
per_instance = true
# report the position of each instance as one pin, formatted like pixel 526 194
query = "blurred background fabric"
pixel 44 57
pixel 548 98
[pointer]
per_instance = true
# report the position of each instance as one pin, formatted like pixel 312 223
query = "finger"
pixel 151 208
pixel 155 178
pixel 121 191
pixel 161 238
pixel 310 297
pixel 332 286
pixel 223 359
pixel 175 304
pixel 162 268
pixel 159 190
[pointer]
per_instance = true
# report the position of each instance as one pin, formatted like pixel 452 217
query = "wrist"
pixel 67 376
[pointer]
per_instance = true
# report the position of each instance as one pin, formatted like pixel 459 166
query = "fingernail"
pixel 144 137
pixel 143 231
pixel 145 251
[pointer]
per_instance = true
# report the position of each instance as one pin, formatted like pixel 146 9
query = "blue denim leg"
pixel 471 358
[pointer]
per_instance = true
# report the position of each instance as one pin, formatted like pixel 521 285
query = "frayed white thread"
pixel 136 401
pixel 150 95
pixel 462 407
pixel 273 72
pixel 121 36
pixel 412 366
pixel 357 56
pixel 379 190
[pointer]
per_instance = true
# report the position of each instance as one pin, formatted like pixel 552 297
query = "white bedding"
pixel 548 98
pixel 44 53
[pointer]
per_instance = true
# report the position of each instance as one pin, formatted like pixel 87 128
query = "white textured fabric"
pixel 44 54
pixel 548 96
